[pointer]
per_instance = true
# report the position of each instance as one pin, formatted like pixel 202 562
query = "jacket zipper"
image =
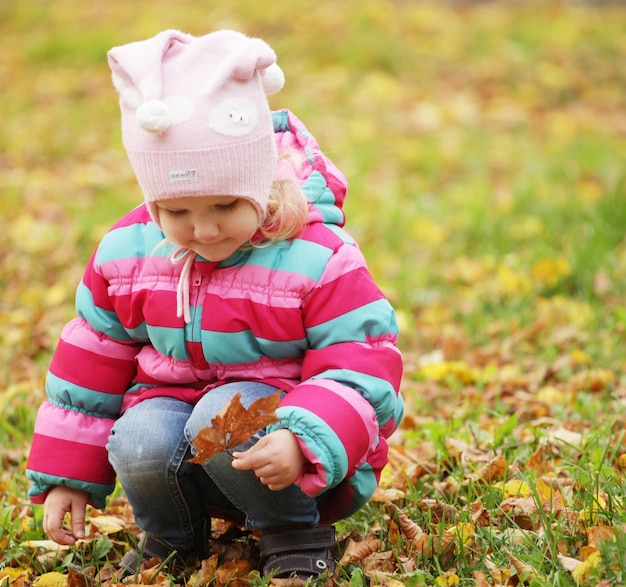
pixel 195 350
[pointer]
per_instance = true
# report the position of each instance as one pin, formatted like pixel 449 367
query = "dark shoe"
pixel 149 548
pixel 305 552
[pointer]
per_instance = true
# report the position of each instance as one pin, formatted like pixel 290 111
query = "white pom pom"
pixel 154 116
pixel 273 79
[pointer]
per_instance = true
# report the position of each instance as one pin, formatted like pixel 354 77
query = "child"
pixel 256 288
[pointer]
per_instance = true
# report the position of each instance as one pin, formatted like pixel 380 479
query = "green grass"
pixel 484 145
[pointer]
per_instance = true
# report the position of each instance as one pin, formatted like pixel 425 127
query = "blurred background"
pixel 484 144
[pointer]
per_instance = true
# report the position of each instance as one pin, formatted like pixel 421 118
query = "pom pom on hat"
pixel 273 80
pixel 154 116
pixel 195 116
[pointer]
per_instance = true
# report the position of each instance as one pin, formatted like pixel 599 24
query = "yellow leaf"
pixel 511 283
pixel 552 396
pixel 13 574
pixel 108 524
pixel 463 531
pixel 451 580
pixel 48 545
pixel 52 579
pixel 514 488
pixel 550 271
pixel 455 370
pixel 589 515
pixel 580 357
pixel 581 573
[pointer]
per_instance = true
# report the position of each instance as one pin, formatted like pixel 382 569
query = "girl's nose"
pixel 206 230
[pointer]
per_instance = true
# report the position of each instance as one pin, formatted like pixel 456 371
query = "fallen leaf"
pixel 76 578
pixel 525 571
pixel 357 551
pixel 408 527
pixel 480 579
pixel 494 469
pixel 206 573
pixel 14 577
pixel 581 573
pixel 49 545
pixel 597 533
pixel 568 563
pixel 234 425
pixel 52 579
pixel 108 524
pixel 387 495
pixel 232 572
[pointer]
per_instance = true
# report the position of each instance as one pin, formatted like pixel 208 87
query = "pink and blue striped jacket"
pixel 303 315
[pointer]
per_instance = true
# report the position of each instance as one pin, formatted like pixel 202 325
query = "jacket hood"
pixel 301 160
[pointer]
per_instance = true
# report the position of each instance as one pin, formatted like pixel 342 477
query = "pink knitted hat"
pixel 195 117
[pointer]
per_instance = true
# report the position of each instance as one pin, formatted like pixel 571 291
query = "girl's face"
pixel 213 227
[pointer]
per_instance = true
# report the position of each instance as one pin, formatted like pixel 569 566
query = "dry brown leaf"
pixel 206 573
pixel 519 505
pixel 383 579
pixel 492 471
pixel 585 551
pixel 480 514
pixel 234 425
pixel 597 533
pixel 538 461
pixel 423 546
pixel 480 579
pixel 381 561
pixel 525 571
pixel 385 495
pixel 233 573
pixel 77 579
pixel 288 582
pixel 148 576
pixel 357 551
pixel 408 527
pixel 152 572
pixel 439 510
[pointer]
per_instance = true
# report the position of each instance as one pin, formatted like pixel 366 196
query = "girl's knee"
pixel 145 435
pixel 217 399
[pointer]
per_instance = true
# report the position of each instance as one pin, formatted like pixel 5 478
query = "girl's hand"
pixel 276 459
pixel 60 501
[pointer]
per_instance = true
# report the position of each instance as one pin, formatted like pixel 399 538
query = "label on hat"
pixel 183 174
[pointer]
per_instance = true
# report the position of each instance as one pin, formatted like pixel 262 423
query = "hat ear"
pixel 257 56
pixel 137 66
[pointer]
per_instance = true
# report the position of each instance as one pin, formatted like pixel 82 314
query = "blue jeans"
pixel 149 448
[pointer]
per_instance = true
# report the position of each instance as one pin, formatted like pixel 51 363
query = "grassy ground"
pixel 485 146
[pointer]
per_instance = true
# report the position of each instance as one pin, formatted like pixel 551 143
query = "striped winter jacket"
pixel 303 315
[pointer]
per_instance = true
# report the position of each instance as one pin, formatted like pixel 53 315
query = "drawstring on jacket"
pixel 187 257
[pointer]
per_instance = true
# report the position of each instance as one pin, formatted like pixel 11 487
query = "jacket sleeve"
pixel 90 371
pixel 348 401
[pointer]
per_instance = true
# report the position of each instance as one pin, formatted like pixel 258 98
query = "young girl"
pixel 234 276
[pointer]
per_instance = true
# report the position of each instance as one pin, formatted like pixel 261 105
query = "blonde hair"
pixel 287 213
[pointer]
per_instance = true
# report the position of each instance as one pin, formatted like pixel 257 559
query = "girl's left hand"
pixel 276 459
